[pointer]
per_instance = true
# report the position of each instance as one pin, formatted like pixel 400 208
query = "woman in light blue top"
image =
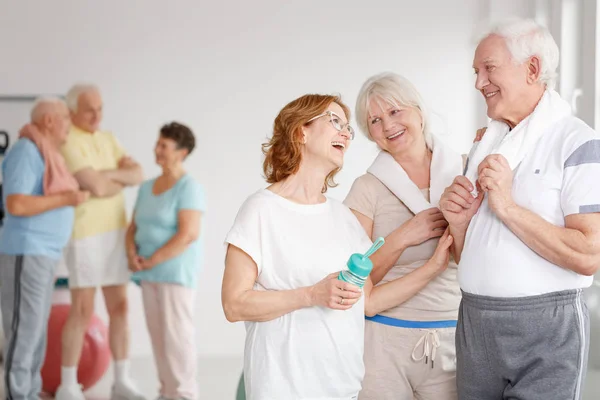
pixel 164 251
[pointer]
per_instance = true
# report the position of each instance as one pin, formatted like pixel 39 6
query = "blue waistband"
pixel 400 323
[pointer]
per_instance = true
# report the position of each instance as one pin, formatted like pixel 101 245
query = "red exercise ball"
pixel 95 354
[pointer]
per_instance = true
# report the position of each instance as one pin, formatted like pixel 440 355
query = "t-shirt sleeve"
pixel 364 241
pixel 246 231
pixel 192 197
pixel 361 197
pixel 580 192
pixel 74 157
pixel 22 170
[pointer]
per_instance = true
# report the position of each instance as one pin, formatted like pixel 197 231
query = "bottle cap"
pixel 360 264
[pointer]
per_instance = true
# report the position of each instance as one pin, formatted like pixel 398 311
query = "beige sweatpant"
pixel 391 371
pixel 170 318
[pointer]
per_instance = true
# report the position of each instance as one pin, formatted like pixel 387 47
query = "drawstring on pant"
pixel 430 342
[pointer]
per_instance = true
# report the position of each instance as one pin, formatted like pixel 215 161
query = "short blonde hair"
pixel 394 89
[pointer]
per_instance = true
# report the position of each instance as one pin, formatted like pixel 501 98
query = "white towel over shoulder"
pixel 516 143
pixel 446 164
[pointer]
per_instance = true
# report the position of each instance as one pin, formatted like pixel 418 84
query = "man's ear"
pixel 534 68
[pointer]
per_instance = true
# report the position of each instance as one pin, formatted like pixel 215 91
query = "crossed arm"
pixel 107 183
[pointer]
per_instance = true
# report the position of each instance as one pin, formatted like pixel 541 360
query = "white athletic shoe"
pixel 125 391
pixel 69 392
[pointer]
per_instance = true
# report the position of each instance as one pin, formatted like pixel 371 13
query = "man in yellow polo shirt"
pixel 96 256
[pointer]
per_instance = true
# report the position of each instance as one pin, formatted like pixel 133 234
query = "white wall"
pixel 226 69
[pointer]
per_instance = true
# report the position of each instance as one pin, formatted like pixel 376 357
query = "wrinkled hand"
pixel 458 204
pixel 126 162
pixel 333 293
pixel 441 256
pixel 147 263
pixel 495 179
pixel 76 197
pixel 425 225
pixel 479 134
pixel 135 262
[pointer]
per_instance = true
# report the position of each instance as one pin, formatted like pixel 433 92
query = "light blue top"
pixel 45 234
pixel 156 220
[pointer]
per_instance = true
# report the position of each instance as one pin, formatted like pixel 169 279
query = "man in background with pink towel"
pixel 39 194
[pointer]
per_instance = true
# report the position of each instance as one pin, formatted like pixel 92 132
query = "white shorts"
pixel 99 260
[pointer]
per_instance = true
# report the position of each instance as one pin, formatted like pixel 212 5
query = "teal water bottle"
pixel 360 266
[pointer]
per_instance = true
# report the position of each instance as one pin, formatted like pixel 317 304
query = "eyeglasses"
pixel 337 122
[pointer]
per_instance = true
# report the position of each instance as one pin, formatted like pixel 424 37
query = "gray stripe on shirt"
pixel 587 153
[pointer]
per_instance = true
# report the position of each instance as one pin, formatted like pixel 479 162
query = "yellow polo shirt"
pixel 100 151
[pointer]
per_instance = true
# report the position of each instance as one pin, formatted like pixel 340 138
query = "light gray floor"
pixel 218 379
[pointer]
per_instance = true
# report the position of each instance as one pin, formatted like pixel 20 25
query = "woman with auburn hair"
pixel 305 328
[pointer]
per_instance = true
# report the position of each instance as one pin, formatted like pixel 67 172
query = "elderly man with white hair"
pixel 526 227
pixel 40 195
pixel 96 256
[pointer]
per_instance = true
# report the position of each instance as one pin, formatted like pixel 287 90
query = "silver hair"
pixel 72 97
pixel 43 106
pixel 394 90
pixel 526 38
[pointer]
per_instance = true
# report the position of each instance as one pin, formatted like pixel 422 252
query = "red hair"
pixel 283 152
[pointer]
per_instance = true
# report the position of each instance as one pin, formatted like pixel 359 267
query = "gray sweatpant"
pixel 532 348
pixel 26 285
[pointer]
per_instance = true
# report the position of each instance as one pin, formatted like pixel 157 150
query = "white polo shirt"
pixel 559 177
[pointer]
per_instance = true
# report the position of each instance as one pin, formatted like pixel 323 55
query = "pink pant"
pixel 169 316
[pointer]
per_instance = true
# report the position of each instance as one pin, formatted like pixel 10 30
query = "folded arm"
pixel 129 173
pixel 97 183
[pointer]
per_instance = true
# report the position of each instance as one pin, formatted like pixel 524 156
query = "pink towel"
pixel 57 177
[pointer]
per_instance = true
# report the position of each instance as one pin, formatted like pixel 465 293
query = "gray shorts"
pixel 532 348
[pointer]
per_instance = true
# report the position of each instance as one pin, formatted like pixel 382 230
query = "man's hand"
pixel 126 162
pixel 458 205
pixel 76 197
pixel 495 179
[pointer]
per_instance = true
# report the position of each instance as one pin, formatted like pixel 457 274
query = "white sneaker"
pixel 69 392
pixel 125 391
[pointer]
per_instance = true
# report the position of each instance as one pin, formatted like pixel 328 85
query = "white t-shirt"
pixel 312 353
pixel 559 177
